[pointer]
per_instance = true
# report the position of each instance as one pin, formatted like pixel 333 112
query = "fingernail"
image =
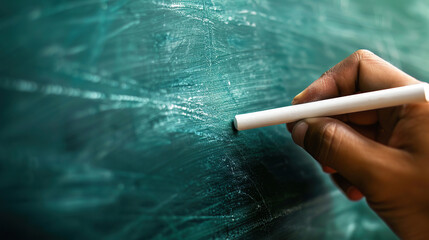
pixel 354 194
pixel 298 133
pixel 297 97
pixel 329 170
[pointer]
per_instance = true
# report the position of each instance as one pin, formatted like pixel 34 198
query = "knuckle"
pixel 327 73
pixel 362 53
pixel 328 144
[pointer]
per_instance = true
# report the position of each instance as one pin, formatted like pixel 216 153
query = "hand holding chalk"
pixel 380 154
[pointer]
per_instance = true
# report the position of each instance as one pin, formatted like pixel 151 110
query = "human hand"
pixel 382 154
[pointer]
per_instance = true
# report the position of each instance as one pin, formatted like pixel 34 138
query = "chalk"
pixel 335 106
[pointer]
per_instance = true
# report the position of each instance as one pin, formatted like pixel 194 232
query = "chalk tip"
pixel 235 123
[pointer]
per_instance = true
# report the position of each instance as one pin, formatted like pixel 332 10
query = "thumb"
pixel 337 145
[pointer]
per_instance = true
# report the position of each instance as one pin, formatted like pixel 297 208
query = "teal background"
pixel 115 116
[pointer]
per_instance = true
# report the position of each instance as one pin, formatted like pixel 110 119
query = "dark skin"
pixel 382 155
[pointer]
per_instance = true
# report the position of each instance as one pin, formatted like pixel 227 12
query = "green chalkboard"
pixel 115 116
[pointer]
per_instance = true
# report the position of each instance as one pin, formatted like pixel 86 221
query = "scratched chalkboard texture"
pixel 115 116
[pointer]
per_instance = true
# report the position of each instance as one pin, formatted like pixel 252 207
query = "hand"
pixel 382 155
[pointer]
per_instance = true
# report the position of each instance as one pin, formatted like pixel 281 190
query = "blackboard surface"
pixel 115 116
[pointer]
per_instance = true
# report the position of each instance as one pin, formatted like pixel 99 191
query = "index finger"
pixel 362 71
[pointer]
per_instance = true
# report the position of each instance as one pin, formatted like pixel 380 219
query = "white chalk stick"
pixel 335 106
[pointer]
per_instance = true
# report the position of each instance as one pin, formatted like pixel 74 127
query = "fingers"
pixel 366 131
pixel 363 118
pixel 361 71
pixel 329 170
pixel 338 146
pixel 359 118
pixel 347 188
